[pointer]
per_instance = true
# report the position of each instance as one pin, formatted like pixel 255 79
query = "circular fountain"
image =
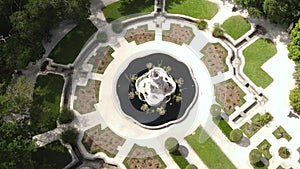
pixel 156 90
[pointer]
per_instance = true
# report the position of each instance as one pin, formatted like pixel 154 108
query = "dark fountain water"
pixel 174 110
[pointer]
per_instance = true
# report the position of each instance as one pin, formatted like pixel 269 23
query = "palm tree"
pixel 145 107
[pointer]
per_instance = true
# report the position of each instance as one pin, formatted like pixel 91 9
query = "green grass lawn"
pixel 69 47
pixel 45 109
pixel 53 155
pixel 223 126
pixel 123 8
pixel 208 150
pixel 201 9
pixel 255 56
pixel 179 159
pixel 236 26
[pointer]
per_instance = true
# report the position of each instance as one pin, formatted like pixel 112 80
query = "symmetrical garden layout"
pixel 229 76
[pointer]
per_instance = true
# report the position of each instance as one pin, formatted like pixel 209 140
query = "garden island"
pixel 154 84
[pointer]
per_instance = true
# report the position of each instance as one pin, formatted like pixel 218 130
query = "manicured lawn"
pixel 53 155
pixel 45 109
pixel 201 9
pixel 123 8
pixel 179 159
pixel 208 150
pixel 255 56
pixel 264 147
pixel 223 126
pixel 69 47
pixel 236 26
pixel 281 133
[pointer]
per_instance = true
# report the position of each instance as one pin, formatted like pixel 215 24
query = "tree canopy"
pixel 255 156
pixel 276 11
pixel 16 144
pixel 171 144
pixel 27 25
pixel 294 46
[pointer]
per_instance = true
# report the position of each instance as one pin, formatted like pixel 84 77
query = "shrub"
pixel 218 31
pixel 201 24
pixel 70 135
pixel 255 156
pixel 117 26
pixel 171 144
pixel 236 135
pixel 102 36
pixel 66 115
pixel 191 166
pixel 215 110
pixel 284 152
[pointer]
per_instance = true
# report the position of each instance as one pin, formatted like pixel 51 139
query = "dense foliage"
pixel 66 115
pixel 27 25
pixel 236 135
pixel 70 135
pixel 276 11
pixel 171 144
pixel 294 54
pixel 16 144
pixel 294 46
pixel 215 110
pixel 255 156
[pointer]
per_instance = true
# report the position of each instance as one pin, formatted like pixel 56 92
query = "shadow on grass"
pixel 134 6
pixel 169 3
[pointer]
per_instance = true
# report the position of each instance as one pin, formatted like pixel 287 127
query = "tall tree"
pixel 294 46
pixel 16 144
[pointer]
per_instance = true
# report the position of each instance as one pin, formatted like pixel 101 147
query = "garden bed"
pixel 229 95
pixel 264 147
pixel 102 59
pixel 281 133
pixel 178 34
pixel 257 122
pixel 97 140
pixel 140 35
pixel 215 58
pixel 87 97
pixel 143 157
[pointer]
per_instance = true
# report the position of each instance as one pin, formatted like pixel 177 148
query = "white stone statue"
pixel 155 86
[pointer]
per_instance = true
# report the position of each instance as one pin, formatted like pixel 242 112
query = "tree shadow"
pixel 183 150
pixel 169 3
pixel 134 6
pixel 273 31
pixel 244 142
